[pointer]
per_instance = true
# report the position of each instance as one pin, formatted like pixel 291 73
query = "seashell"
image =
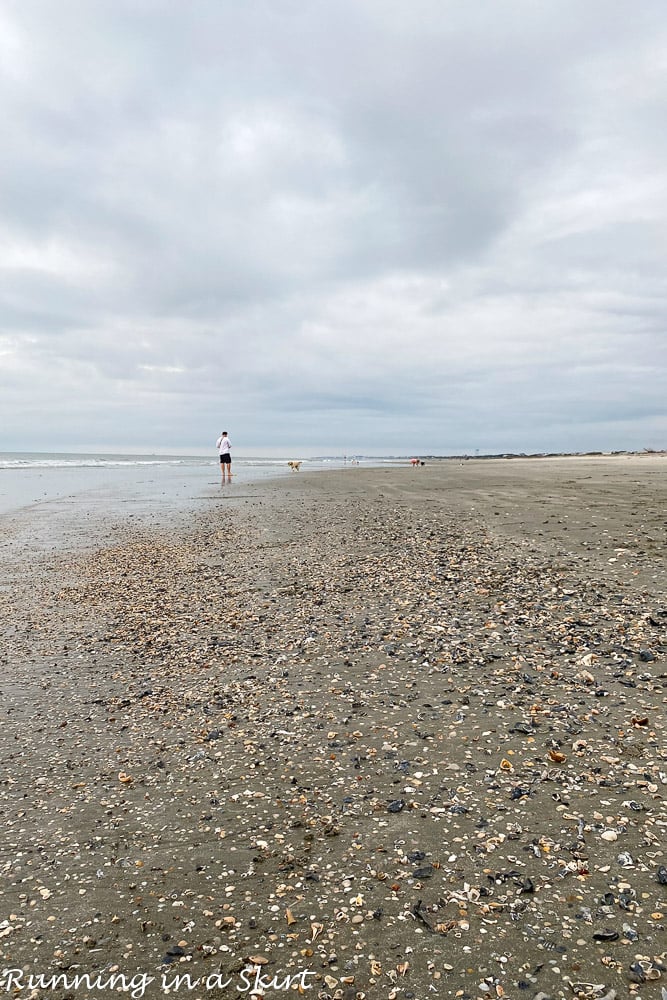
pixel 396 806
pixel 606 935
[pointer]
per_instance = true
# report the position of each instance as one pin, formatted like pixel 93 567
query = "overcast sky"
pixel 378 226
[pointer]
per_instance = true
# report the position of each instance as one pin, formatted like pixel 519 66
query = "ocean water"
pixel 30 479
pixel 48 500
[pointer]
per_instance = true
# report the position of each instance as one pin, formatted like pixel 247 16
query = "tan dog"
pixel 294 466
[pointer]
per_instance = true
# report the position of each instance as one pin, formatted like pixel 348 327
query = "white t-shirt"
pixel 224 445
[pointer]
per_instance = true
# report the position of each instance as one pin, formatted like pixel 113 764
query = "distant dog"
pixel 294 466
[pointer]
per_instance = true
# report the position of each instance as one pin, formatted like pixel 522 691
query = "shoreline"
pixel 386 726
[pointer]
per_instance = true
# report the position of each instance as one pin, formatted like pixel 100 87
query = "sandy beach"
pixel 363 733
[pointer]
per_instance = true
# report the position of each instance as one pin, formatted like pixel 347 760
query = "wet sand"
pixel 394 732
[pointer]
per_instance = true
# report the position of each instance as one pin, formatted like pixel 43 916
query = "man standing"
pixel 224 447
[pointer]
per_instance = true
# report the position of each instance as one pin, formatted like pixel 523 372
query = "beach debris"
pixel 396 806
pixel 381 742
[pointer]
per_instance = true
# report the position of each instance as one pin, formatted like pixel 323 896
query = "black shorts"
pixel 226 459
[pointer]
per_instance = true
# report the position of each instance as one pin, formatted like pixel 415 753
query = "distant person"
pixel 224 446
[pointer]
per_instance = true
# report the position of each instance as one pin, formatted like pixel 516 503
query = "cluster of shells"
pixel 367 739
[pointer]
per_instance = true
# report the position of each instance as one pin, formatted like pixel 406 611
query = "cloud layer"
pixel 356 226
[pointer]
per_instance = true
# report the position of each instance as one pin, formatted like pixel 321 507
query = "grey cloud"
pixel 361 213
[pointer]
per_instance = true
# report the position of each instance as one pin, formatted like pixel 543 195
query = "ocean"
pixel 112 482
pixel 47 499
